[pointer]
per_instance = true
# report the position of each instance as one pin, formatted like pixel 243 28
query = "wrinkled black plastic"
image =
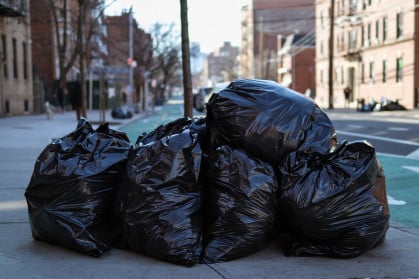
pixel 71 192
pixel 267 120
pixel 159 198
pixel 240 205
pixel 171 128
pixel 334 204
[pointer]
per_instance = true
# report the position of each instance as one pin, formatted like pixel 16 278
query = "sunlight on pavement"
pixel 175 102
pixel 12 205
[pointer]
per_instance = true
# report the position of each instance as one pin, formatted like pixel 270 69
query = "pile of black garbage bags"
pixel 264 165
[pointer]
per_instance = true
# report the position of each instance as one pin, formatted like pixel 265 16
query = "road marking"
pixel 414 155
pixel 11 205
pixel 411 168
pixel 377 138
pixel 354 126
pixel 393 201
pixel 398 129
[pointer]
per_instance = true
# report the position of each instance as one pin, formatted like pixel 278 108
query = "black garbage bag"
pixel 334 204
pixel 240 200
pixel 159 199
pixel 71 192
pixel 267 120
pixel 174 127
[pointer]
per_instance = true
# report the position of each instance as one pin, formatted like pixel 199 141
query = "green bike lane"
pixel 402 174
pixel 402 183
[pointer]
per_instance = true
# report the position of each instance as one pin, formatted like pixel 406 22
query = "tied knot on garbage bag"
pixel 267 120
pixel 70 194
pixel 334 204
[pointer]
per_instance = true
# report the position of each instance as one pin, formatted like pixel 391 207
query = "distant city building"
pixel 222 64
pixel 266 24
pixel 118 41
pixel 375 51
pixel 16 60
pixel 296 63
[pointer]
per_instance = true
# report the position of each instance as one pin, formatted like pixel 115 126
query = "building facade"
pixel 16 63
pixel 263 22
pixel 118 40
pixel 374 46
pixel 296 63
pixel 222 64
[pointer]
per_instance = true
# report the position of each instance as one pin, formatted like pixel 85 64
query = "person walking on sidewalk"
pixel 61 92
pixel 76 99
pixel 347 94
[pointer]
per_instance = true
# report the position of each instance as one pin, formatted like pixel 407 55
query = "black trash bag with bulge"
pixel 71 193
pixel 334 204
pixel 267 120
pixel 240 201
pixel 159 199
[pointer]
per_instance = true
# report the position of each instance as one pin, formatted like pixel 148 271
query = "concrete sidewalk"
pixel 22 138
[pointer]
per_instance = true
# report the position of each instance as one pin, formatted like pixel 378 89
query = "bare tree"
pixel 164 61
pixel 74 23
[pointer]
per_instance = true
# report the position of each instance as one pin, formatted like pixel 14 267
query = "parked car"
pixel 199 98
pixel 122 112
pixel 204 94
pixel 384 105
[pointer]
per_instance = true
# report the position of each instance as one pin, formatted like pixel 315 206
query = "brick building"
pixel 118 40
pixel 296 62
pixel 263 22
pixel 222 64
pixel 15 63
pixel 375 51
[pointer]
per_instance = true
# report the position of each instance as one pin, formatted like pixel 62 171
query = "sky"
pixel 211 23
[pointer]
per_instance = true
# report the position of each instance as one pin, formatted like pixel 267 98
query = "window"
pixel 25 60
pixel 321 76
pixel 352 39
pixel 362 73
pixel 399 69
pixel 4 58
pixel 377 32
pixel 362 36
pixel 342 75
pixel 399 23
pixel 336 76
pixel 384 71
pixel 352 6
pixel 14 46
pixel 369 34
pixel 372 72
pixel 385 29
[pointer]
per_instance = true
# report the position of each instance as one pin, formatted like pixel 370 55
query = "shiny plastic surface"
pixel 240 205
pixel 267 120
pixel 71 192
pixel 159 198
pixel 334 204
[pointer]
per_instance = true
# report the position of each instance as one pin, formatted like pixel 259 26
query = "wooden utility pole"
pixel 331 51
pixel 186 61
pixel 82 55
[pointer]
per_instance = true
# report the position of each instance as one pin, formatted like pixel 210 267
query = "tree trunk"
pixel 82 56
pixel 186 63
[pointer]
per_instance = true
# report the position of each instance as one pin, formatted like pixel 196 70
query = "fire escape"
pixel 13 8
